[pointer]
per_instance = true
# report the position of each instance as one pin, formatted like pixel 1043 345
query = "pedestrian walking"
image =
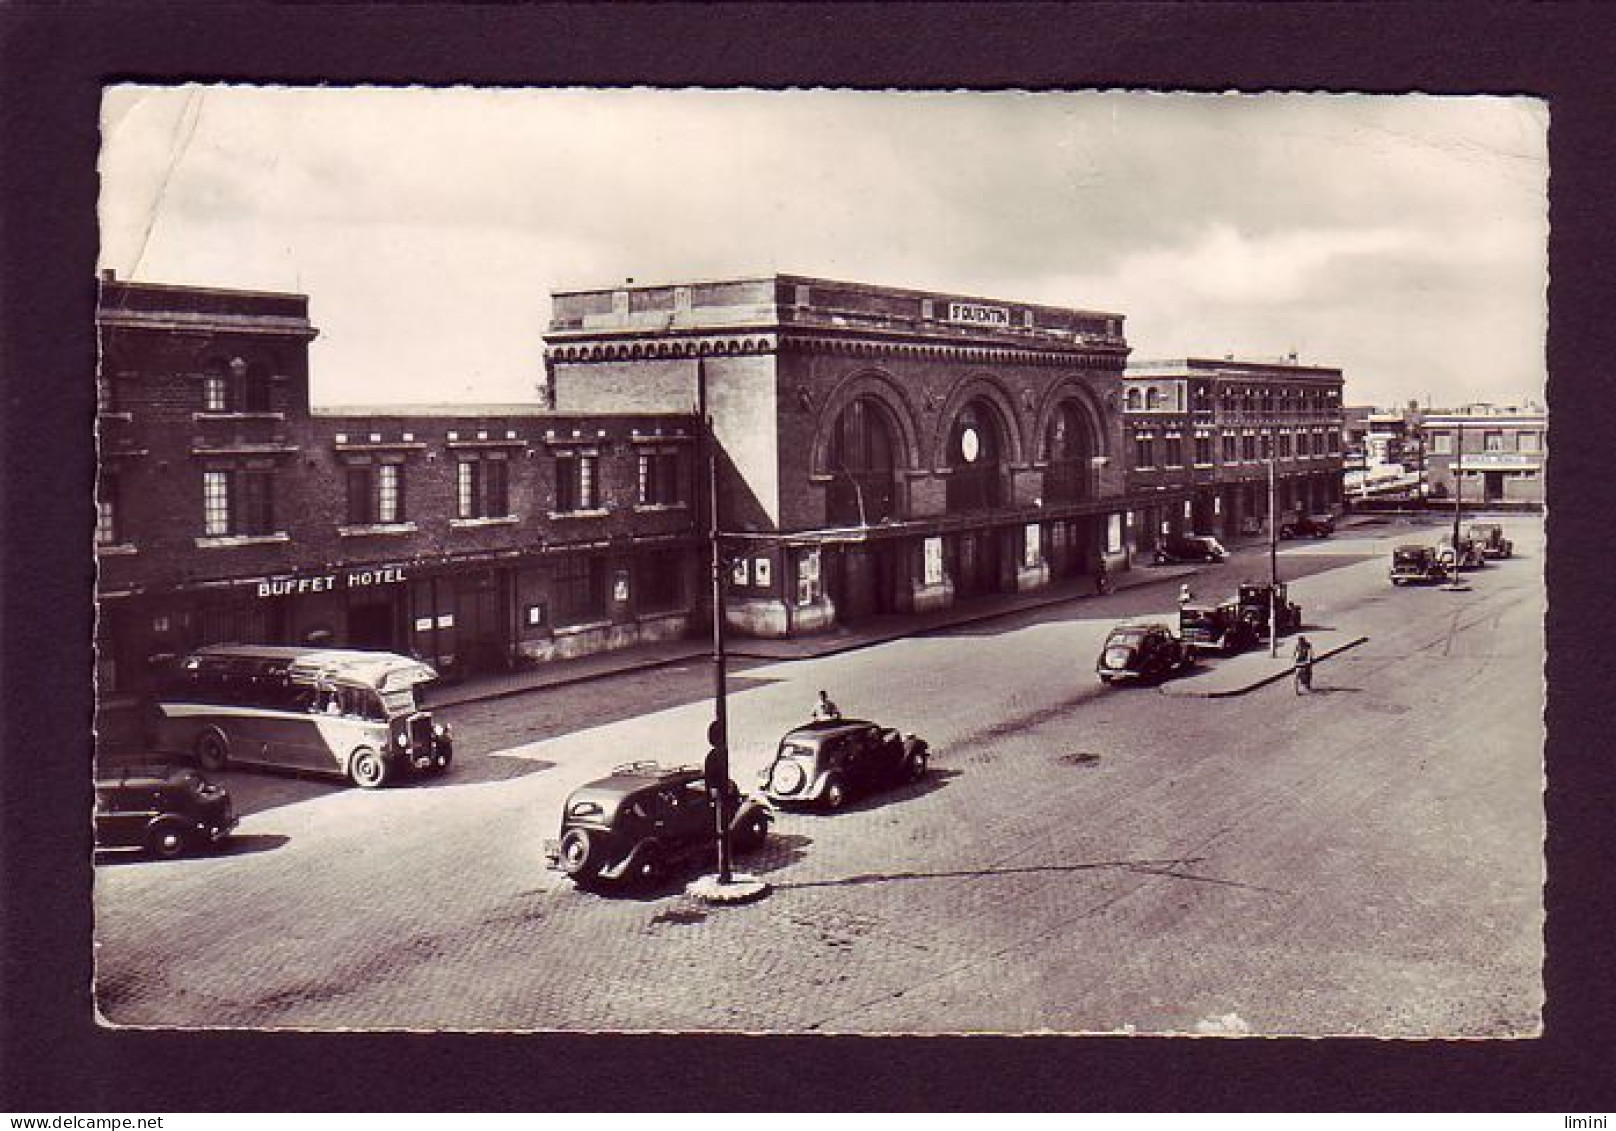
pixel 1302 665
pixel 1184 595
pixel 1102 578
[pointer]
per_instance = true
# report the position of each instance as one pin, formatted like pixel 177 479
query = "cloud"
pixel 429 226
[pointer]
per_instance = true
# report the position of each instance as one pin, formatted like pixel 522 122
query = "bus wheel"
pixel 212 752
pixel 366 768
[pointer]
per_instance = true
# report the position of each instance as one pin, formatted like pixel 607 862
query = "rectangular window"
pixel 1175 452
pixel 1203 449
pixel 106 512
pixel 389 493
pixel 238 502
pixel 257 502
pixel 1144 451
pixel 1442 443
pixel 1284 445
pixel 1492 441
pixel 659 479
pixel 1528 442
pixel 576 484
pixel 215 503
pixel 1228 448
pixel 658 584
pixel 1248 447
pixel 360 512
pixel 578 590
pixel 482 488
pixel 215 396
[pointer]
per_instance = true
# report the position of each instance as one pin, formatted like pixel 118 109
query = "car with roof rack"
pixel 643 820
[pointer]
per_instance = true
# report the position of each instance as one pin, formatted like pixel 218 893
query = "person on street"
pixel 1302 665
pixel 1184 595
pixel 825 710
pixel 1102 578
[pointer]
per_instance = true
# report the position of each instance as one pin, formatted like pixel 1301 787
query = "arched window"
pixel 975 453
pixel 862 465
pixel 1135 401
pixel 1068 447
pixel 1152 399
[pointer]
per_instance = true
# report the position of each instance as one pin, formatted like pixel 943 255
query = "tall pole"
pixel 1458 488
pixel 1273 559
pixel 718 734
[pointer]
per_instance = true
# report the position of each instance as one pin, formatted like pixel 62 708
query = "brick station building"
pixel 883 450
pixel 880 450
pixel 471 536
pixel 1199 434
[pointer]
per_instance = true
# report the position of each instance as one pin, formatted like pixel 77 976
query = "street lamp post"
pixel 726 886
pixel 1273 559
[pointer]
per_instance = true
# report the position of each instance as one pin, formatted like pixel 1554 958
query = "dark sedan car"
pixel 832 760
pixel 166 812
pixel 637 824
pixel 1191 548
pixel 1308 526
pixel 1144 650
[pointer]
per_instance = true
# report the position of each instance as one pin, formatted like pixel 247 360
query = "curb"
pixel 1273 677
pixel 742 652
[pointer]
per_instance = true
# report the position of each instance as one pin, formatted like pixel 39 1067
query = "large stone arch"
pixel 875 385
pixel 986 387
pixel 1072 388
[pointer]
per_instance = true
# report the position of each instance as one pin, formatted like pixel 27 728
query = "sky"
pixel 1402 238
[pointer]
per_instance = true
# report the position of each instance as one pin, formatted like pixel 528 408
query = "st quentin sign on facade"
pixel 978 315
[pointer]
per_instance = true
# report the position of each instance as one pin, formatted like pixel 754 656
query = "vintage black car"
pixel 1141 650
pixel 1469 555
pixel 1257 600
pixel 829 761
pixel 1412 564
pixel 1308 526
pixel 164 811
pixel 1221 628
pixel 1489 536
pixel 1191 548
pixel 644 819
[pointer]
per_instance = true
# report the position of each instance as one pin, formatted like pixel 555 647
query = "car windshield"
pixel 398 701
pixel 1195 616
pixel 1126 636
pixel 789 749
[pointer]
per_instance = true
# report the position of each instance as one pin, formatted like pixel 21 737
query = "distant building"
pixel 1200 434
pixel 1490 453
pixel 472 536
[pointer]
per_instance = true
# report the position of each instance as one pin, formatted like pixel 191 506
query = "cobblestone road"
pixel 1364 860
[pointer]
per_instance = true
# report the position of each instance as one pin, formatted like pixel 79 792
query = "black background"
pixel 53 60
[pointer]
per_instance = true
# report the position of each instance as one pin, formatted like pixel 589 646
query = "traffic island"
pixel 1220 677
pixel 742 887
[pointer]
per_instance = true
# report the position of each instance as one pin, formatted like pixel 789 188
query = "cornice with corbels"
pixel 741 344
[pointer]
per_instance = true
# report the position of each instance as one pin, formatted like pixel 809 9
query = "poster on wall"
pixel 737 573
pixel 1113 534
pixel 1031 546
pixel 760 572
pixel 934 561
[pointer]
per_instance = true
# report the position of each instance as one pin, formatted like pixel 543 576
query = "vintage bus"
pixel 317 709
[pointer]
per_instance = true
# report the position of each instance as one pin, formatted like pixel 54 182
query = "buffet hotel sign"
pixel 330 582
pixel 975 314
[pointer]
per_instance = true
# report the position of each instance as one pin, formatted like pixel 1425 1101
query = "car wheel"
pixel 751 835
pixel 652 866
pixel 915 765
pixel 367 769
pixel 835 795
pixel 212 752
pixel 168 839
pixel 578 856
